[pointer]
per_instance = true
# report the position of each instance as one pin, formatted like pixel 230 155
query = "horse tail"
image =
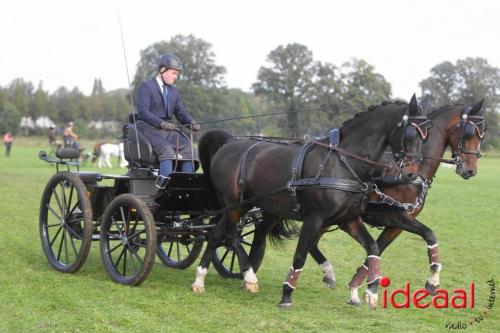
pixel 208 145
pixel 283 230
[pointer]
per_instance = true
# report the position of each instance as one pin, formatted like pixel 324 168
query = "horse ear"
pixel 413 107
pixel 478 108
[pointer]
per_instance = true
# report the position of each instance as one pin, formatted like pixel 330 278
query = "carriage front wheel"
pixel 66 222
pixel 128 240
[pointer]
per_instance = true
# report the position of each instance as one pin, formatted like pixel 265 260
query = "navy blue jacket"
pixel 151 110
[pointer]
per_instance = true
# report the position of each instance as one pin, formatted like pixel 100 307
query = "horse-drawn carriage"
pixel 328 181
pixel 130 217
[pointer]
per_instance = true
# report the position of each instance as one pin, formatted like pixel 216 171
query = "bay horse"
pixel 104 151
pixel 320 183
pixel 459 127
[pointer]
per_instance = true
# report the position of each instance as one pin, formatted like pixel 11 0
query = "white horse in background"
pixel 104 151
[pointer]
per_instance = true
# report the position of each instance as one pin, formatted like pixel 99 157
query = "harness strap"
pixel 347 153
pixel 322 165
pixel 242 168
pixel 298 160
pixel 328 183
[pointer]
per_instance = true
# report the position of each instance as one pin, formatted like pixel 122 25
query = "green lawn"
pixel 34 297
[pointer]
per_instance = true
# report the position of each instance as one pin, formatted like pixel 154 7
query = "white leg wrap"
pixel 354 295
pixel 249 276
pixel 434 280
pixel 200 277
pixel 371 299
pixel 327 268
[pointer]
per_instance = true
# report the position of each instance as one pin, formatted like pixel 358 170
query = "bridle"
pixel 469 126
pixel 421 126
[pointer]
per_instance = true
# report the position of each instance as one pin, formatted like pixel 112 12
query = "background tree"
pixel 40 104
pixel 20 94
pixel 9 117
pixel 287 83
pixel 362 86
pixel 467 81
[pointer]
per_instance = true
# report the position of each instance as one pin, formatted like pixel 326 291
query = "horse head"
pixel 465 140
pixel 406 139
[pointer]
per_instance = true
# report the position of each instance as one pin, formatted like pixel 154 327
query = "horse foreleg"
pixel 309 233
pixel 357 230
pixel 411 224
pixel 383 241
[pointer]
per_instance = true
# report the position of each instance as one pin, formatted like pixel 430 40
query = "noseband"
pixel 474 125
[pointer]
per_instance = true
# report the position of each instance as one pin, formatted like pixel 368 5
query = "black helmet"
pixel 168 60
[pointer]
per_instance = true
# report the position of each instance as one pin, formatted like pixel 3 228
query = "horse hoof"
pixel 285 306
pixel 431 288
pixel 197 289
pixel 330 283
pixel 251 287
pixel 371 299
pixel 354 303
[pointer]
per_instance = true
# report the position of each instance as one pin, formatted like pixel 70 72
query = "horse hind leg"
pixel 262 229
pixel 250 281
pixel 329 278
pixel 214 239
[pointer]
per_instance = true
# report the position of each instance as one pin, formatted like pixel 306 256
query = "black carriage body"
pixel 187 193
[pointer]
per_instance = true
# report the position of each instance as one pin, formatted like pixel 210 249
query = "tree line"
pixel 314 95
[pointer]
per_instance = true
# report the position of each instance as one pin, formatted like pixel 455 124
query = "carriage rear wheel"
pixel 65 222
pixel 128 240
pixel 225 260
pixel 179 250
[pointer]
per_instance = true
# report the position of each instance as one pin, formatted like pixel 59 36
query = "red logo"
pixel 421 298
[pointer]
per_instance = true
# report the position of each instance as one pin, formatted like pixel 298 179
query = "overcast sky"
pixel 69 43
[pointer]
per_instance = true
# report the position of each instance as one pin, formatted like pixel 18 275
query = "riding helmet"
pixel 169 60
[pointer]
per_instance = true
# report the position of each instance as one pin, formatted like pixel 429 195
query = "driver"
pixel 158 102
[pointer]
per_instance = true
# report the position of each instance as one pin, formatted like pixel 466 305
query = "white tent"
pixel 44 122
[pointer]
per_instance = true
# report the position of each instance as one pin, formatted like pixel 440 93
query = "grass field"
pixel 34 297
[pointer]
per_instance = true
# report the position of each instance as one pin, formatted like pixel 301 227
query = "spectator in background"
pixel 69 136
pixel 8 139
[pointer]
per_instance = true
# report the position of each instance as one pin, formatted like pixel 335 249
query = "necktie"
pixel 165 98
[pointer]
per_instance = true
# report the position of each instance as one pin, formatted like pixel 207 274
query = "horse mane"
pixel 372 108
pixel 436 111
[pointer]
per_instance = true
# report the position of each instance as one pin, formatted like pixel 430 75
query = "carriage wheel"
pixel 179 251
pixel 66 222
pixel 128 240
pixel 225 260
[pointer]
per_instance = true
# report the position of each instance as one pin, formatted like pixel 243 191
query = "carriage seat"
pixel 130 137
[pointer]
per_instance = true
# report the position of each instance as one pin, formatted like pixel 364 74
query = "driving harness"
pixel 296 183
